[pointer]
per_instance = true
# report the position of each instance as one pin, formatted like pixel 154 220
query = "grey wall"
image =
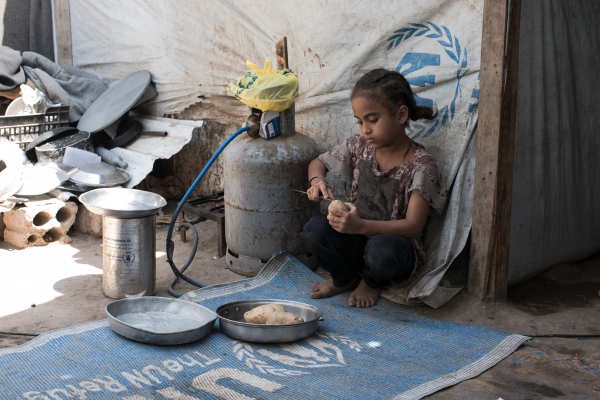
pixel 556 187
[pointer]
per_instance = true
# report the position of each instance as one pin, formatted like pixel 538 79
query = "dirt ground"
pixel 60 285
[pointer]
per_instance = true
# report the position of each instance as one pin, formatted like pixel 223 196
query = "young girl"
pixel 395 181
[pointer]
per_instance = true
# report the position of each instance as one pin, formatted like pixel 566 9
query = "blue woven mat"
pixel 385 352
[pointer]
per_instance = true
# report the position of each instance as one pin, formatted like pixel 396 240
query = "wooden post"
pixel 282 53
pixel 62 23
pixel 490 235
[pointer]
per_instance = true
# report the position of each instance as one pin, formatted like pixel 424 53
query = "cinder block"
pixel 88 222
pixel 38 225
pixel 66 216
pixel 31 239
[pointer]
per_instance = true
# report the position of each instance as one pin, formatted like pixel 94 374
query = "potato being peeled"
pixel 283 318
pixel 338 204
pixel 258 315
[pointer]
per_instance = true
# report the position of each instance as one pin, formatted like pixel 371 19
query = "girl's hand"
pixel 345 221
pixel 319 188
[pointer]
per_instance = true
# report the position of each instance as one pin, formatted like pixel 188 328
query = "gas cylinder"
pixel 262 214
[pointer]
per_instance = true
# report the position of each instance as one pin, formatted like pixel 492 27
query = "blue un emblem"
pixel 414 66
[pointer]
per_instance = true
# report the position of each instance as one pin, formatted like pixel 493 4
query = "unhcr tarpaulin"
pixel 194 49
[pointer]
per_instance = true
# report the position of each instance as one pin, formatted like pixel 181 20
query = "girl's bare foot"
pixel 363 296
pixel 326 288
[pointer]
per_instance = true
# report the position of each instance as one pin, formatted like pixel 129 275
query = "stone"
pixel 88 222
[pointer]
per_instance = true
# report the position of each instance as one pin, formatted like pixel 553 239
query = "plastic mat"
pixel 382 352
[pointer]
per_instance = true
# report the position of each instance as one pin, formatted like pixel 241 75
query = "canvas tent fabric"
pixel 195 49
pixel 11 72
pixel 27 26
pixel 555 198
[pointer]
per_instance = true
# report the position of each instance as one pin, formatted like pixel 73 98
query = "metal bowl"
pixel 100 175
pixel 160 320
pixel 122 203
pixel 16 107
pixel 231 322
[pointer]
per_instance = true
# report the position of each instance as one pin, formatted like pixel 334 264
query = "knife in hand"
pixel 321 197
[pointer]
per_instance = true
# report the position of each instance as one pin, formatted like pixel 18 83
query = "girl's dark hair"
pixel 393 90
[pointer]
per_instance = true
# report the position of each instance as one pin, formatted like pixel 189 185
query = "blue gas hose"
pixel 170 244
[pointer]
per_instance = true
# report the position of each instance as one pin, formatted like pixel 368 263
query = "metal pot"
pixel 55 150
pixel 231 322
pixel 129 256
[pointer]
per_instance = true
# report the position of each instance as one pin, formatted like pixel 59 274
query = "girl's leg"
pixel 339 254
pixel 386 257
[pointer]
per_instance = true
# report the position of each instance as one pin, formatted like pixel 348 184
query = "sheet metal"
pixel 141 153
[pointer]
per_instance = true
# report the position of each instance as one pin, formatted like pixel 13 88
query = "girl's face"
pixel 377 124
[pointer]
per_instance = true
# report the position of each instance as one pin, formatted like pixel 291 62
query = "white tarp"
pixel 194 49
pixel 555 201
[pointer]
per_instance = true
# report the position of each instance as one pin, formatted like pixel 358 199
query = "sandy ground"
pixel 57 286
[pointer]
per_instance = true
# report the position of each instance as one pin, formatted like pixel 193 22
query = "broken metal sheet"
pixel 141 153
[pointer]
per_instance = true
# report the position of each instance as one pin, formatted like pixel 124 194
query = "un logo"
pixel 128 257
pixel 416 68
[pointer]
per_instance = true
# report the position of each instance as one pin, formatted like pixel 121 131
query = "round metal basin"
pixel 160 320
pixel 122 203
pixel 231 322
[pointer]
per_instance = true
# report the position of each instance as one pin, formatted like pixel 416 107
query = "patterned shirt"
pixel 384 195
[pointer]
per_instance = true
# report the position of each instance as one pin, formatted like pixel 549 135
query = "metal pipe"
pixel 153 133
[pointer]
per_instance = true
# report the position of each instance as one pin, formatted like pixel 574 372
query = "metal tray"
pixel 231 322
pixel 100 175
pixel 160 320
pixel 114 103
pixel 122 203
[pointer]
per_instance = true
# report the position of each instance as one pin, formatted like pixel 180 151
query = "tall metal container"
pixel 262 214
pixel 129 256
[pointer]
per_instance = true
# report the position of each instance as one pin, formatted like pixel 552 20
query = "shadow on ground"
pixel 64 282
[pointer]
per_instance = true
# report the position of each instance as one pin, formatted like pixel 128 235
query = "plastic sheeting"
pixel 555 200
pixel 194 49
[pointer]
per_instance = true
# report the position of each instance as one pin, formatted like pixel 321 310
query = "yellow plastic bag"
pixel 266 89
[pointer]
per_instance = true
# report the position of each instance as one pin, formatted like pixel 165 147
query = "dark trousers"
pixel 347 257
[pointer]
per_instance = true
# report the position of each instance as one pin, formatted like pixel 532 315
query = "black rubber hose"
pixel 172 291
